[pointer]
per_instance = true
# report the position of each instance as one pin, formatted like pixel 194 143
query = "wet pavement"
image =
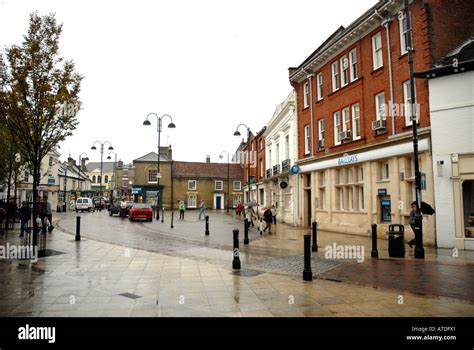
pixel 148 269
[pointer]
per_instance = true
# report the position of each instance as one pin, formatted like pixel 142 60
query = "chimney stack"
pixel 208 159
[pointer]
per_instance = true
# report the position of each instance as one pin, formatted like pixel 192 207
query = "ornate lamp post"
pixel 171 125
pixel 228 176
pixel 102 144
pixel 237 133
pixel 115 175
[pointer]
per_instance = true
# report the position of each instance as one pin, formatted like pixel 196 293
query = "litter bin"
pixel 396 244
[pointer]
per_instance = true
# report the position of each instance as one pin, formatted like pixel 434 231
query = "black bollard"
pixel 172 219
pixel 374 253
pixel 314 248
pixel 207 225
pixel 78 228
pixel 246 231
pixel 162 215
pixel 236 261
pixel 260 227
pixel 307 273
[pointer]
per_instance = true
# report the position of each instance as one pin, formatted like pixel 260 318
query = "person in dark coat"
pixel 268 218
pixel 25 216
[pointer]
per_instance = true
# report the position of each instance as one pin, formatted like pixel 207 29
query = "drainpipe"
pixel 386 21
pixel 309 76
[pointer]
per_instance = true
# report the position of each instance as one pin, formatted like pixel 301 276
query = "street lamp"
pixel 237 134
pixel 80 158
pixel 115 175
pixel 228 176
pixel 102 144
pixel 171 125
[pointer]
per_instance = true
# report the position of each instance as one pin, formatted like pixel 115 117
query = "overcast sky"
pixel 210 64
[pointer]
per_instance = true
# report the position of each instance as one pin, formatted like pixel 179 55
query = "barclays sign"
pixel 348 160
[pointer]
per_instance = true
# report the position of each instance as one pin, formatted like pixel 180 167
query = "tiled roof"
pixel 152 157
pixel 207 170
pixel 107 167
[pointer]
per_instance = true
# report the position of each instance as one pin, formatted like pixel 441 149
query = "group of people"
pixel 44 217
pixel 182 209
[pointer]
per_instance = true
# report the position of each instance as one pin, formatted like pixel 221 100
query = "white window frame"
pixel 346 120
pixel 218 182
pixel 337 127
pixel 192 187
pixel 277 152
pixel 149 176
pixel 341 198
pixel 321 130
pixel 380 107
pixel 361 198
pixel 403 34
pixel 307 139
pixel 351 197
pixel 262 171
pixel 385 171
pixel 306 95
pixel 355 111
pixel 319 82
pixel 354 72
pixel 407 102
pixel 287 146
pixel 190 201
pixel 344 71
pixel 335 75
pixel 237 186
pixel 377 54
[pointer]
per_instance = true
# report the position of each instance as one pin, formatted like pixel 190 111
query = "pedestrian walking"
pixel 49 212
pixel 182 209
pixel 249 215
pixel 239 209
pixel 25 216
pixel 274 216
pixel 414 207
pixel 268 218
pixel 202 209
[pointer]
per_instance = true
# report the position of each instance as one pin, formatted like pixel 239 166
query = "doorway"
pixel 307 204
pixel 218 200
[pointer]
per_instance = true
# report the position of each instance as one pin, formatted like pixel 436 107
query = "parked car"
pixel 83 204
pixel 141 211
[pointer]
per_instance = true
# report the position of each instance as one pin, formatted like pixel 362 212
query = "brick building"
pixel 218 184
pixel 354 131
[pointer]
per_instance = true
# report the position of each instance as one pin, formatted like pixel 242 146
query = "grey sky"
pixel 210 64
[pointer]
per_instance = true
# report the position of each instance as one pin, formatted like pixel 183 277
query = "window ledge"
pixel 378 70
pixel 382 181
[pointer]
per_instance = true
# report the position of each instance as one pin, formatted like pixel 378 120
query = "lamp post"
pixel 228 176
pixel 80 159
pixel 419 250
pixel 65 186
pixel 237 133
pixel 102 144
pixel 171 125
pixel 114 175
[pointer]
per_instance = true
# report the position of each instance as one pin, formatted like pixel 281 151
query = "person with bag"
pixel 268 218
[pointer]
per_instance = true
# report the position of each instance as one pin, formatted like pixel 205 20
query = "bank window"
pixel 321 133
pixel 237 185
pixel 306 95
pixel 403 29
pixel 360 174
pixel 385 171
pixel 380 107
pixel 351 198
pixel 409 107
pixel 192 202
pixel 307 136
pixel 319 81
pixel 341 198
pixel 361 198
pixel 349 175
pixel 192 185
pixel 337 128
pixel 152 176
pixel 355 122
pixel 377 57
pixel 335 76
pixel 344 71
pixel 353 64
pixel 346 123
pixel 218 185
pixel 287 146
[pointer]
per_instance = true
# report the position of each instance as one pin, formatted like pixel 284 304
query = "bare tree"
pixel 39 95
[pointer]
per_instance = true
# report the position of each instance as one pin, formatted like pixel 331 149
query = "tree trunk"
pixel 35 202
pixel 9 185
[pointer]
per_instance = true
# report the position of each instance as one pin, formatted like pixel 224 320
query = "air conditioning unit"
pixel 345 135
pixel 320 144
pixel 380 124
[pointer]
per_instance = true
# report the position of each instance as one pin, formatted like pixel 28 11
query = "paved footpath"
pixel 96 277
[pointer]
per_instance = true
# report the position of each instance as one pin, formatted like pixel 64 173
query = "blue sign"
pixel 295 169
pixel 51 180
pixel 385 202
pixel 348 160
pixel 382 191
pixel 137 190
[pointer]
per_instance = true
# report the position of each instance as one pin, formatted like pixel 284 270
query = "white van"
pixel 83 204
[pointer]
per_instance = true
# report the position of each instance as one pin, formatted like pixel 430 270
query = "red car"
pixel 141 211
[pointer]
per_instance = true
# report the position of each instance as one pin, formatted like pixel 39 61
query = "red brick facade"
pixel 434 33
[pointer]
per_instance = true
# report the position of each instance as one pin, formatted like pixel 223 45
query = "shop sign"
pixel 348 160
pixel 51 180
pixel 382 191
pixel 137 190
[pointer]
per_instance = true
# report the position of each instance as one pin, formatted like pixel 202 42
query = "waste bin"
pixel 396 244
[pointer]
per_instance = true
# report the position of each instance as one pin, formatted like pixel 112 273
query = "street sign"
pixel 295 169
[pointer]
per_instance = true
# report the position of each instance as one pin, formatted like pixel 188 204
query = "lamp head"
pixel 171 125
pixel 108 157
pixel 111 148
pixel 147 122
pixel 237 133
pixel 87 159
pixel 221 156
pixel 93 148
